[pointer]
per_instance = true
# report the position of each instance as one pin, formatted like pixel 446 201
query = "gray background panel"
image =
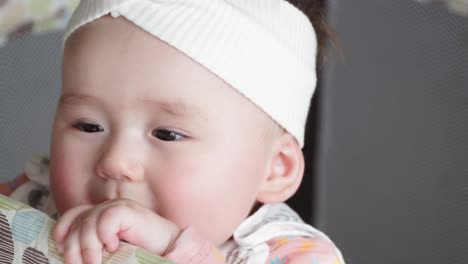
pixel 29 88
pixel 393 172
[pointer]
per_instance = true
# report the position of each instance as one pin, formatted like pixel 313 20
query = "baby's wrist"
pixel 175 233
pixel 187 246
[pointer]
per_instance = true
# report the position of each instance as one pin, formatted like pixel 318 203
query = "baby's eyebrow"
pixel 70 99
pixel 176 108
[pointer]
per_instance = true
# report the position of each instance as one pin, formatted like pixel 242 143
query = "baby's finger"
pixel 91 246
pixel 72 249
pixel 65 222
pixel 110 223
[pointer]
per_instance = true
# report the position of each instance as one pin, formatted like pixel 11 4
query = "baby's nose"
pixel 120 163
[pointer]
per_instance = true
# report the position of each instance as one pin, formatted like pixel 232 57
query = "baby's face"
pixel 138 119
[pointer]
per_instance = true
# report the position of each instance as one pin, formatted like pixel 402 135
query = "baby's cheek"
pixel 200 203
pixel 60 187
pixel 65 186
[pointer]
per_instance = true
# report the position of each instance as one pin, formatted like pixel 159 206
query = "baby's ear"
pixel 285 171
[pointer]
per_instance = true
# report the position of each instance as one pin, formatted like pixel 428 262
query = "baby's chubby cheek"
pixel 207 205
pixel 59 189
pixel 204 213
pixel 67 190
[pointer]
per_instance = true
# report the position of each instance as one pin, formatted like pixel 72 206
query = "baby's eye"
pixel 167 135
pixel 88 127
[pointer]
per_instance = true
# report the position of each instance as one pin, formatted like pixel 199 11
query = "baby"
pixel 179 129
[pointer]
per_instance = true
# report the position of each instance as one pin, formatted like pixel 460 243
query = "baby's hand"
pixel 82 232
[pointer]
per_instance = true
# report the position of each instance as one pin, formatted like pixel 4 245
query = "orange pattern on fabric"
pixel 337 261
pixel 282 241
pixel 306 246
pixel 217 254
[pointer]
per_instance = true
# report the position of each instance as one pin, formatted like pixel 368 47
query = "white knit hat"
pixel 263 48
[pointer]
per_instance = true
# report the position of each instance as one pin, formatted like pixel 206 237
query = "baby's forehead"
pixel 159 75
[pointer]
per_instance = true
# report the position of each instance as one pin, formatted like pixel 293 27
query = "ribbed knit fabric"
pixel 263 48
